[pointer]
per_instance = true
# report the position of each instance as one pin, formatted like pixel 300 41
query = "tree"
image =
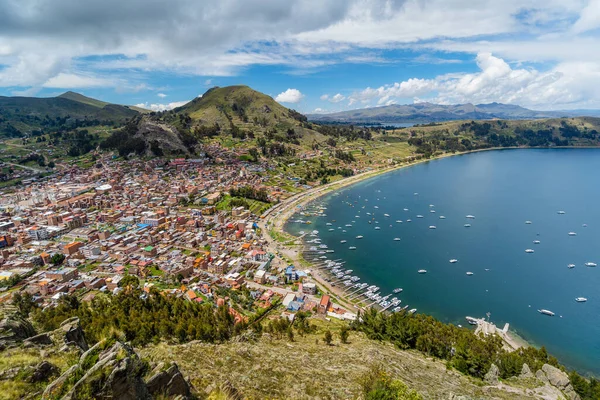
pixel 344 333
pixel 24 303
pixel 328 337
pixel 376 384
pixel 57 258
pixel 290 334
pixel 129 280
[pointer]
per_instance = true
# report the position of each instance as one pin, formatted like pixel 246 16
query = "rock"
pixel 117 375
pixel 11 374
pixel 170 383
pixel 492 376
pixel 73 334
pixel 43 339
pixel 44 371
pixel 15 329
pixel 526 372
pixel 541 376
pixel 556 377
pixel 54 389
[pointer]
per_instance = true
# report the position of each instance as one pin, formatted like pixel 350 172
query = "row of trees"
pixel 249 192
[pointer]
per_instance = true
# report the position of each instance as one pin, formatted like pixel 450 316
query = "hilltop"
pixel 429 112
pixel 21 116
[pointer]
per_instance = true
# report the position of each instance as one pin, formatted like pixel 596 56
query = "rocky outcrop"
pixel 72 333
pixel 43 339
pixel 15 329
pixel 169 383
pixel 161 136
pixel 57 388
pixel 526 372
pixel 560 380
pixel 492 375
pixel 44 371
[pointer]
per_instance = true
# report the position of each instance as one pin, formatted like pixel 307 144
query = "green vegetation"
pixel 377 384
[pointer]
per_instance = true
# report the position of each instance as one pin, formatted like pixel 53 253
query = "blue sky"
pixel 310 55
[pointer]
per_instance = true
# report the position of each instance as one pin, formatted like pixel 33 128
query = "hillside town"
pixel 83 231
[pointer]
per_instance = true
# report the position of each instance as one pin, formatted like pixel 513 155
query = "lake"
pixel 502 190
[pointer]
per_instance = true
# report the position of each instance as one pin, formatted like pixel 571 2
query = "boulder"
pixel 73 334
pixel 169 382
pixel 44 371
pixel 55 389
pixel 526 372
pixel 541 376
pixel 560 380
pixel 492 375
pixel 43 339
pixel 15 329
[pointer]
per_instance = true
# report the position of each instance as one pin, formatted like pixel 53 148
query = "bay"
pixel 503 190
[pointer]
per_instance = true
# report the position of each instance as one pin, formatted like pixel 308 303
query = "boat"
pixel 359 237
pixel 561 212
pixel 536 242
pixel 454 260
pixel 386 215
pixel 415 194
pixel 432 227
pixel 331 229
pixel 397 290
pixel 571 266
pixel 431 205
pixel 419 216
pixel 377 227
pixel 396 239
pixel 469 273
pixel 528 222
pixel 546 312
pixel 467 225
pixel 591 264
pixel 580 299
pixel 328 224
pixel 348 225
pixel 422 271
pixel 398 221
pixel 375 206
pixel 432 211
pixel 352 248
pixel 471 320
pixel 470 216
pixel 406 209
pixel 412 311
pixel 572 234
pixel 442 217
pixel 409 220
pixel 584 225
pixel 529 251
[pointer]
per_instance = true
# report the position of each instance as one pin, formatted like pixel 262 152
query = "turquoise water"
pixel 502 189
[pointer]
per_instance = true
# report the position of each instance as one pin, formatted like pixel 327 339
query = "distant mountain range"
pixel 428 112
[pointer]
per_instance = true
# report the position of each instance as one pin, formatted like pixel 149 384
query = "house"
pixel 72 248
pixel 259 277
pixel 290 274
pixel 290 297
pixel 309 288
pixel 324 304
pixel 62 275
pixel 37 233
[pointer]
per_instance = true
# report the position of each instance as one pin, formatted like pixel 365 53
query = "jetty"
pixel 489 328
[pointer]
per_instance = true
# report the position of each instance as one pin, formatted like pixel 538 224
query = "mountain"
pixel 428 112
pixel 20 116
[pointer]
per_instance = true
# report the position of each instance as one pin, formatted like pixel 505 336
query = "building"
pixel 72 248
pixel 62 275
pixel 259 276
pixel 309 288
pixel 324 304
pixel 37 233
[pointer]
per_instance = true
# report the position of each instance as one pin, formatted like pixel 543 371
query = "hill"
pixel 21 116
pixel 428 112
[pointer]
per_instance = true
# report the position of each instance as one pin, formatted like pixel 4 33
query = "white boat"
pixel 591 264
pixel 398 221
pixel 442 217
pixel 561 212
pixel 571 266
pixel 454 260
pixel 584 225
pixel 432 227
pixel 470 216
pixel 409 220
pixel 432 211
pixel 406 209
pixel 422 271
pixel 397 290
pixel 546 312
pixel 536 242
pixel 528 222
pixel 396 239
pixel 352 248
pixel 467 225
pixel 529 251
pixel 359 237
pixel 331 229
pixel 469 273
pixel 419 216
pixel 386 215
pixel 329 224
pixel 431 205
pixel 377 227
pixel 580 299
pixel 412 311
pixel 572 234
pixel 415 194
pixel 375 206
pixel 472 321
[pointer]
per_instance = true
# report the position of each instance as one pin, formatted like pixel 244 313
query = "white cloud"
pixel 589 18
pixel 319 110
pixel 161 95
pixel 73 81
pixel 289 96
pixel 333 99
pixel 324 97
pixel 161 107
pixel 565 86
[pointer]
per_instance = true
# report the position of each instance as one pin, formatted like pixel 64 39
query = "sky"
pixel 311 55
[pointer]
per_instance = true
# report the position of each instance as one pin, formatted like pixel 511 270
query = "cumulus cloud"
pixel 289 96
pixel 565 85
pixel 161 107
pixel 336 98
pixel 161 95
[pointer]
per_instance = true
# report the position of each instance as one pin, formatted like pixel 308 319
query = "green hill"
pixel 20 116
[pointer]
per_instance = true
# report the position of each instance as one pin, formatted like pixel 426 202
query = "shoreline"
pixel 276 217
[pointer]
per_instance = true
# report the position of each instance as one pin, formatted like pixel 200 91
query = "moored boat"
pixel 546 312
pixel 580 299
pixel 422 271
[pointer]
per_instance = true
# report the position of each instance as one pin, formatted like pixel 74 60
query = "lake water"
pixel 503 190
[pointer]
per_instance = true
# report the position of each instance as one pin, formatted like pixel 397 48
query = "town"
pixel 169 224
